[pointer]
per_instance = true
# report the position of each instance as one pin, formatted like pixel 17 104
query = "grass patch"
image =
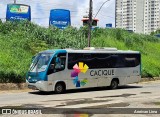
pixel 19 41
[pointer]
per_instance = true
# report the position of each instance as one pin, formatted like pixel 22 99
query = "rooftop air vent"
pixel 100 48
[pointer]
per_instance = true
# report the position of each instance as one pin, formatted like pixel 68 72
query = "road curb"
pixel 12 86
pixel 149 79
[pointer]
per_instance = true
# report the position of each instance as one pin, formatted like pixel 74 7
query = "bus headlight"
pixel 29 78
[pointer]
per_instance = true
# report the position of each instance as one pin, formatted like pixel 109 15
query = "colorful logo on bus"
pixel 77 69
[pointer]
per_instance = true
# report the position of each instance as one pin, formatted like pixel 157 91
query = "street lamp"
pixel 90 19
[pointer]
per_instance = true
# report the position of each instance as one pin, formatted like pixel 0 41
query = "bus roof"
pixel 101 51
pixel 107 50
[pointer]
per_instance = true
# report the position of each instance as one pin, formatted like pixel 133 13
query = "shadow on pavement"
pixel 83 90
pixel 128 87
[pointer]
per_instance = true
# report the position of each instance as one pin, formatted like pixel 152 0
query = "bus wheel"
pixel 114 84
pixel 59 88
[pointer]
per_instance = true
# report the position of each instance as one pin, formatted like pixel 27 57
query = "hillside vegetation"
pixel 20 41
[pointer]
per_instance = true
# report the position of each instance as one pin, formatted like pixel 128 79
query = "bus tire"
pixel 114 84
pixel 60 88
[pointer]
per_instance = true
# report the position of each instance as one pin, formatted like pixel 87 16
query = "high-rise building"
pixel 141 16
pixel 151 15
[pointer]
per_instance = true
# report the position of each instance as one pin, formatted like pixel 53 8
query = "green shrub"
pixel 19 41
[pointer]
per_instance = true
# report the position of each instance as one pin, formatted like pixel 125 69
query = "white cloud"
pixel 41 8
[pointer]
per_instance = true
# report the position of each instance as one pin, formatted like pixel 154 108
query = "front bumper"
pixel 32 87
pixel 40 85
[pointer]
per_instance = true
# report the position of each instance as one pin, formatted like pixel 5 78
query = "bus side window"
pixel 57 64
pixel 62 60
pixel 120 63
pixel 51 67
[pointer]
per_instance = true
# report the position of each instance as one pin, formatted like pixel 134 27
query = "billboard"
pixel 18 12
pixel 109 25
pixel 60 18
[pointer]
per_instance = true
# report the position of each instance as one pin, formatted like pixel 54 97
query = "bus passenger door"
pixel 56 69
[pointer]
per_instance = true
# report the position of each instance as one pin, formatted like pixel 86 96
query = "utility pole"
pixel 90 22
pixel 14 1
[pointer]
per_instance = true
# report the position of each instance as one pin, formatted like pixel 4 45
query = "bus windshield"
pixel 40 62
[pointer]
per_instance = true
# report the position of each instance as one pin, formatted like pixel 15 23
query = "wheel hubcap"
pixel 59 89
pixel 114 84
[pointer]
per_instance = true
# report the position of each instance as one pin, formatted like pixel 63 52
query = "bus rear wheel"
pixel 114 84
pixel 59 88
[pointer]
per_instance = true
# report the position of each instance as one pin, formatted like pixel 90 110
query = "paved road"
pixel 143 95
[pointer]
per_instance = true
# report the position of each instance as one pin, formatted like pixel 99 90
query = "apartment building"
pixel 151 16
pixel 140 16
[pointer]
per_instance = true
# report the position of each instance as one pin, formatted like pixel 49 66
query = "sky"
pixel 40 10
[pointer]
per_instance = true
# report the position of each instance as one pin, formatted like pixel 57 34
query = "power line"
pixel 101 8
pixel 51 6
